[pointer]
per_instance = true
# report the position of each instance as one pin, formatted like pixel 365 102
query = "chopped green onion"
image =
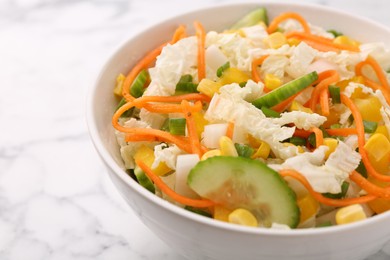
pixel 242 84
pixel 127 113
pixel 335 33
pixel 268 112
pixel 344 189
pixel 361 169
pixel 185 85
pixel 177 126
pixel 369 126
pixel 198 211
pixel 335 126
pixel 165 126
pixel 334 92
pixel 285 91
pixel 325 224
pixel 312 137
pixel 244 150
pixel 143 179
pixel 137 88
pixel 251 19
pixel 221 69
pixel 299 141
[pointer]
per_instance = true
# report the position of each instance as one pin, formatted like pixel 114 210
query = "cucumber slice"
pixel 252 18
pixel 289 89
pixel 238 182
pixel 144 180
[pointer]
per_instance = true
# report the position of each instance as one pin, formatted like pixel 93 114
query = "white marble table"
pixel 56 202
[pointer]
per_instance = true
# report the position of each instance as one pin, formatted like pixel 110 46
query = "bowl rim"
pixel 159 202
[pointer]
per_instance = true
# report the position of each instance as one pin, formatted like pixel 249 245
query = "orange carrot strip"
pixel 170 108
pixel 284 104
pixel 255 63
pixel 168 99
pixel 324 102
pixel 230 130
pixel 302 133
pixel 342 131
pixel 321 42
pixel 319 136
pixel 179 34
pixel 361 139
pixel 369 187
pixel 319 197
pixel 324 84
pixel 201 35
pixel 288 15
pixel 192 133
pixel 201 203
pixel 384 84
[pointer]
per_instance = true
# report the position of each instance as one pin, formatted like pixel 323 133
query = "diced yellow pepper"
pixel 369 108
pixel 263 151
pixel 200 122
pixel 146 155
pixel 254 142
pixel 382 129
pixel 221 213
pixel 379 205
pixel 211 153
pixel 300 148
pixel 272 82
pixel 345 40
pixel 333 117
pixel 209 87
pixel 296 106
pixel 308 207
pixel 227 147
pixel 378 151
pixel 233 75
pixel 331 143
pixel 118 87
pixel 358 93
pixel 293 41
pixel 243 217
pixel 276 40
pixel 350 214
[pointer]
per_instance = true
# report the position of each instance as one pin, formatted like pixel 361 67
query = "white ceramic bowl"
pixel 198 237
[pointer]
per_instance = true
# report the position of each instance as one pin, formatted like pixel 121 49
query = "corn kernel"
pixel 378 151
pixel 350 214
pixel 209 87
pixel 221 213
pixel 296 106
pixel 200 123
pixel 369 108
pixel 382 129
pixel 300 148
pixel 119 82
pixel 308 207
pixel 243 217
pixel 342 39
pixel 276 40
pixel 233 75
pixel 227 146
pixel 331 143
pixel 263 151
pixel 146 155
pixel 211 153
pixel 272 82
pixel 293 41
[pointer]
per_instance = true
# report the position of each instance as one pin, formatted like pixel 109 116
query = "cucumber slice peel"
pixel 252 18
pixel 238 182
pixel 289 89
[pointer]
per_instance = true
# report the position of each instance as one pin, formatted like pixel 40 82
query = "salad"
pixel 273 124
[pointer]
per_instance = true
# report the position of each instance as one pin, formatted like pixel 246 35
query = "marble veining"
pixel 56 201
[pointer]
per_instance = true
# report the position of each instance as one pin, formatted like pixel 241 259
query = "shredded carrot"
pixel 319 136
pixel 164 108
pixel 342 131
pixel 369 187
pixel 333 77
pixel 322 199
pixel 230 130
pixel 361 139
pixel 285 16
pixel 171 99
pixel 284 104
pixel 191 127
pixel 302 133
pixel 384 84
pixel 324 102
pixel 321 43
pixel 201 203
pixel 179 34
pixel 255 63
pixel 201 35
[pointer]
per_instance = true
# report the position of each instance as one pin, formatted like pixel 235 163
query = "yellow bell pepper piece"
pixel 381 129
pixel 272 82
pixel 146 155
pixel 308 207
pixel 227 147
pixel 358 93
pixel 379 205
pixel 345 40
pixel 293 42
pixel 233 75
pixel 221 213
pixel 331 143
pixel 243 217
pixel 369 108
pixel 350 214
pixel 378 151
pixel 296 106
pixel 276 40
pixel 211 153
pixel 200 123
pixel 209 87
pixel 118 87
pixel 263 151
